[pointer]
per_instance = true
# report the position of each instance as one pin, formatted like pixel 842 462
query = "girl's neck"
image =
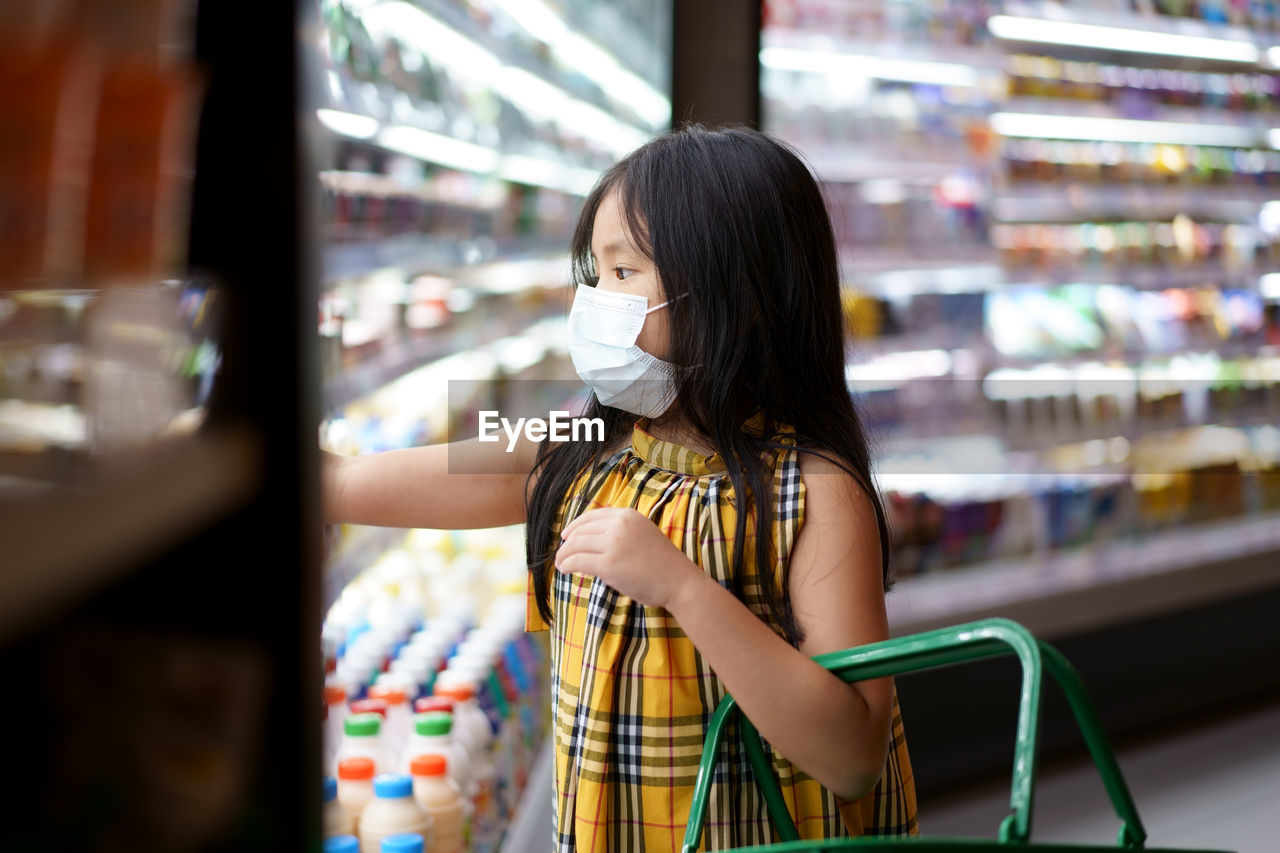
pixel 672 426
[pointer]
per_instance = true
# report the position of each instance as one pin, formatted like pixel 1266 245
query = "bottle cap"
pixel 362 725
pixel 330 789
pixel 428 704
pixel 407 842
pixel 355 769
pixel 392 785
pixel 457 692
pixel 342 844
pixel 428 765
pixel 369 706
pixel 388 694
pixel 334 693
pixel 434 724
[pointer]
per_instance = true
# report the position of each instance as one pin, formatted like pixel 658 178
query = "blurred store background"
pixel 1059 227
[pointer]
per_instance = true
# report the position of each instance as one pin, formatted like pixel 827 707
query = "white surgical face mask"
pixel 603 328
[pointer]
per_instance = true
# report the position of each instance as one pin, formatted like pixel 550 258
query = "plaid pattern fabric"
pixel 632 696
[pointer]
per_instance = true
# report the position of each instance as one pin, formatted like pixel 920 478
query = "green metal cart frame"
pixel 930 650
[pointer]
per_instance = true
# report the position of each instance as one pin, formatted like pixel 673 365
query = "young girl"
pixel 724 531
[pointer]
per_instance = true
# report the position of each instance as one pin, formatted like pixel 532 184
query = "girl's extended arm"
pixel 465 484
pixel 838 733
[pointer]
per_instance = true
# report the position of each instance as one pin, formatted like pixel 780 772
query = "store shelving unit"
pixel 1057 118
pixel 1101 585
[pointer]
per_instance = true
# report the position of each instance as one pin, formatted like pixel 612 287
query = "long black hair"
pixel 734 219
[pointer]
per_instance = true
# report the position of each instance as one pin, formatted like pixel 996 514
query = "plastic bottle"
pixel 335 703
pixel 355 787
pixel 362 737
pixel 342 844
pixel 407 679
pixel 337 820
pixel 502 745
pixel 405 842
pixel 427 704
pixel 370 706
pixel 433 733
pixel 393 811
pixel 442 799
pixel 472 725
pixel 395 736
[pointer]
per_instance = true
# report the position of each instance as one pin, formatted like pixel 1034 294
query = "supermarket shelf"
pixel 531 828
pixel 379 115
pixel 989 59
pixel 57 553
pixel 866 261
pixel 409 253
pixel 364 547
pixel 1077 202
pixel 413 253
pixel 390 364
pixel 1142 276
pixel 587 89
pixel 1258 120
pixel 1138 52
pixel 1107 583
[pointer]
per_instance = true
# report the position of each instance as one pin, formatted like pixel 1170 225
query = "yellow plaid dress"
pixel 632 696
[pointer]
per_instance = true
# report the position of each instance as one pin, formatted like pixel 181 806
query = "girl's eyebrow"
pixel 616 244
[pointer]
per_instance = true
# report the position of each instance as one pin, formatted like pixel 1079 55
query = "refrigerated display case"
pixel 1059 242
pixel 1058 233
pixel 456 143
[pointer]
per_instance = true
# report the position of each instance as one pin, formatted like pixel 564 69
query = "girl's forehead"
pixel 609 232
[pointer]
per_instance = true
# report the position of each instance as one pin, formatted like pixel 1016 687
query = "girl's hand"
pixel 628 552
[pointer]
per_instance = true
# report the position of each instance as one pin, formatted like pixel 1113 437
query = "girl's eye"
pixel 619 270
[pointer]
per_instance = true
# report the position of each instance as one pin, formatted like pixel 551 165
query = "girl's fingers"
pixel 584 542
pixel 575 564
pixel 592 516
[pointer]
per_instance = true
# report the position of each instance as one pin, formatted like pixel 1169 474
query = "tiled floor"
pixel 1216 787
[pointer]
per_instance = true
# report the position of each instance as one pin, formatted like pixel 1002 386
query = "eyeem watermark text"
pixel 562 427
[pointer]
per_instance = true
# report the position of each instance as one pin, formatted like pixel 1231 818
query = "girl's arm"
pixel 837 733
pixel 464 484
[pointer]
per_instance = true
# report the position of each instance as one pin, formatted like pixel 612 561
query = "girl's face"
pixel 623 269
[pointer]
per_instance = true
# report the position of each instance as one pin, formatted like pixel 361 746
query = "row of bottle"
pixel 399 691
pixel 1251 14
pixel 1179 242
pixel 952 521
pixel 1049 77
pixel 381 811
pixel 945 22
pixel 1092 161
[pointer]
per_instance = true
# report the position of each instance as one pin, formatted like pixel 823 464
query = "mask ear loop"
pixel 668 302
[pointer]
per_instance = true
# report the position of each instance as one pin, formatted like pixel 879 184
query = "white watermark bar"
pixel 561 427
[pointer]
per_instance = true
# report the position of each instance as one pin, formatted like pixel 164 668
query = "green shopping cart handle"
pixel 931 650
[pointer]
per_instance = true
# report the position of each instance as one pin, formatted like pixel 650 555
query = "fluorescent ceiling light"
pixel 441 150
pixel 1046 31
pixel 348 124
pixel 881 68
pixel 1038 126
